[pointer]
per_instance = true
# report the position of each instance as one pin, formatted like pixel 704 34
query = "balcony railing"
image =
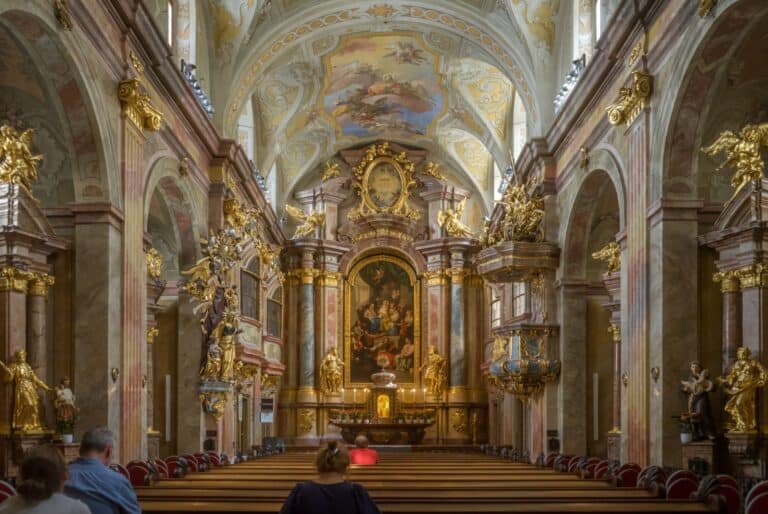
pixel 188 70
pixel 570 81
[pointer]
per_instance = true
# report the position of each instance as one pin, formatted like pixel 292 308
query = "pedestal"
pixel 153 444
pixel 12 450
pixel 613 445
pixel 700 457
pixel 71 451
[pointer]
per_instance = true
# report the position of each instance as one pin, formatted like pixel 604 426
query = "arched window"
pixel 519 125
pixel 275 313
pixel 170 35
pixel 250 288
pixel 519 291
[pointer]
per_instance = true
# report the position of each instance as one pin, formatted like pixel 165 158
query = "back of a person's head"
pixel 361 441
pixel 96 440
pixel 332 458
pixel 43 471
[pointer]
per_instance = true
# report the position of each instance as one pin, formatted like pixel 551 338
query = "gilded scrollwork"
pixel 742 152
pixel 214 403
pixel 306 420
pixel 137 106
pixel 523 218
pixel 154 260
pixel 632 99
pixel 459 420
pixel 331 170
pixel 383 179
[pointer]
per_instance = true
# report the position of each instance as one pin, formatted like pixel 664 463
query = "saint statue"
pixel 212 365
pixel 225 333
pixel 434 372
pixel 330 372
pixel 698 386
pixel 64 403
pixel 26 403
pixel 740 383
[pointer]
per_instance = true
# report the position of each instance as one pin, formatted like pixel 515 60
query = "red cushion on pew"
pixel 758 504
pixel 759 488
pixel 681 489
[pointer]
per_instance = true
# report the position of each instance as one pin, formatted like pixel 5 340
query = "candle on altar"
pixel 413 394
pixel 424 394
pixel 354 396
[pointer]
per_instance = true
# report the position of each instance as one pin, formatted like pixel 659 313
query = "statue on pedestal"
pixel 698 386
pixel 741 382
pixel 331 371
pixel 64 403
pixel 26 403
pixel 434 372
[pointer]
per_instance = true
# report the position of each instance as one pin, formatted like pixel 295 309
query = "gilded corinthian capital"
pixel 137 106
pixel 631 99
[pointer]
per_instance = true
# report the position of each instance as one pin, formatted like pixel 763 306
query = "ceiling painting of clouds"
pixel 383 84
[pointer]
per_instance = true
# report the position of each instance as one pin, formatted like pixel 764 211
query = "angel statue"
pixel 450 219
pixel 17 163
pixel 741 151
pixel 331 170
pixel 698 386
pixel 741 383
pixel 611 254
pixel 330 372
pixel 434 372
pixel 309 222
pixel 26 403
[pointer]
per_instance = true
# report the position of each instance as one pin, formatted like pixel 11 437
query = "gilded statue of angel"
pixel 741 151
pixel 154 261
pixel 611 254
pixel 18 165
pixel 308 222
pixel 450 219
pixel 234 215
pixel 433 170
pixel 331 170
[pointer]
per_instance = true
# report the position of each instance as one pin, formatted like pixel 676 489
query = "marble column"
pixel 37 347
pixel 190 422
pixel 306 396
pixel 458 349
pixel 154 290
pixel 730 287
pixel 134 411
pixel 571 396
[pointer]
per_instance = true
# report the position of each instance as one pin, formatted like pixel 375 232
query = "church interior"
pixel 520 245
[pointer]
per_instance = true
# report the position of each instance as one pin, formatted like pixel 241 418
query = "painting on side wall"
pixel 382 320
pixel 377 83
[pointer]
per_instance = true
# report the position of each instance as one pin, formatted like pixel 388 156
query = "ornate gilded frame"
pixel 375 156
pixel 349 283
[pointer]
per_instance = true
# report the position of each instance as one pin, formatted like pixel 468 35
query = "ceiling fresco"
pixel 383 84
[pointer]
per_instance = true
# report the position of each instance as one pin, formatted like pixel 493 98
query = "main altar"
pixel 386 417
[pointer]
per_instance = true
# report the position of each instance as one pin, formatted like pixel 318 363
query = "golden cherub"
pixel 433 170
pixel 742 151
pixel 234 215
pixel 18 165
pixel 611 254
pixel 308 222
pixel 331 170
pixel 450 219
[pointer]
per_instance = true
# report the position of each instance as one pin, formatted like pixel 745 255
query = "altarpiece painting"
pixel 382 320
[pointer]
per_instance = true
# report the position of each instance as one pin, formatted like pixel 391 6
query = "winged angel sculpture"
pixel 308 222
pixel 742 151
pixel 17 163
pixel 450 219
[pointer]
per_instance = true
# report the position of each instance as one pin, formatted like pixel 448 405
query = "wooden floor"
pixel 406 483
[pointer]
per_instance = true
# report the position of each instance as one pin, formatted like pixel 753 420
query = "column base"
pixel 613 444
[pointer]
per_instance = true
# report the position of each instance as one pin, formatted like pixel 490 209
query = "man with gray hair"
pixel 92 482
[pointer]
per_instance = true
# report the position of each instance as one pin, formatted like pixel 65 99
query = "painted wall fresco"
pixel 382 313
pixel 382 83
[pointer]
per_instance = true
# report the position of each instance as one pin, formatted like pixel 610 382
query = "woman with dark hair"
pixel 330 493
pixel 43 473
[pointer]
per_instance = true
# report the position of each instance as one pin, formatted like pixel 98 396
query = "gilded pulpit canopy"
pixel 741 383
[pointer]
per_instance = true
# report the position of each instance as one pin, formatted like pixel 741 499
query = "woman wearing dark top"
pixel 330 493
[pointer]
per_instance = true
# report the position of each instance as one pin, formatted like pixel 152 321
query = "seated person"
pixel 330 493
pixel 361 454
pixel 92 482
pixel 43 473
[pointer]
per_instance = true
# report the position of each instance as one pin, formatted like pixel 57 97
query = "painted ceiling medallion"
pixel 383 84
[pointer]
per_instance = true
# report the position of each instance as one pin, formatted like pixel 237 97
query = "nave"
pixel 410 483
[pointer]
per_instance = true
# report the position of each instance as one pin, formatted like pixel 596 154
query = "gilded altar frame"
pixel 348 308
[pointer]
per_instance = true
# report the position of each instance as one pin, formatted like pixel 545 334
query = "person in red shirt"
pixel 362 454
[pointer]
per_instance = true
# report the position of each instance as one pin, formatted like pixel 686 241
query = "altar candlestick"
pixel 424 395
pixel 354 396
pixel 413 393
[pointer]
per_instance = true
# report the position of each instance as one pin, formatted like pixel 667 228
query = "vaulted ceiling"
pixel 309 77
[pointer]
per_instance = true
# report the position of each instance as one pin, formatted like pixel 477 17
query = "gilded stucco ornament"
pixel 706 6
pixel 728 280
pixel 331 372
pixel 450 220
pixel 499 351
pixel 154 263
pixel 26 402
pixel 137 106
pixel 152 333
pixel 611 255
pixel 245 374
pixel 308 223
pixel 214 403
pixel 632 99
pixel 742 152
pixel 306 420
pixel 18 165
pixel 269 384
pixel 61 11
pixel 433 170
pixel 459 420
pixel 742 381
pixel 523 217
pixel 383 180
